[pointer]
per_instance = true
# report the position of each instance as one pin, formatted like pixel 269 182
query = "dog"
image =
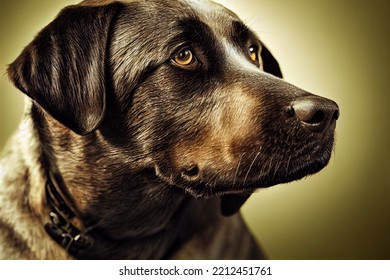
pixel 148 124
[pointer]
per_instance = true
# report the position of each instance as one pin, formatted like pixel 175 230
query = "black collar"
pixel 62 210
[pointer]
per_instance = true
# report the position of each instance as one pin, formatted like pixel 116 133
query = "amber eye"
pixel 254 53
pixel 184 57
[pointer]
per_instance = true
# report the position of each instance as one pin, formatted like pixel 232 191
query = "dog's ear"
pixel 270 64
pixel 231 203
pixel 64 68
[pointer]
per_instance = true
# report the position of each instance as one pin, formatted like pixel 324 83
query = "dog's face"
pixel 206 112
pixel 182 89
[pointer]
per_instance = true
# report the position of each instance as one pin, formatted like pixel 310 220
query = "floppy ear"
pixel 64 68
pixel 269 63
pixel 231 203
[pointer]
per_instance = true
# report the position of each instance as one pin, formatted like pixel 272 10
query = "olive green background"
pixel 337 49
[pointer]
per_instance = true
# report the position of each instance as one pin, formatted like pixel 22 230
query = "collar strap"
pixel 62 210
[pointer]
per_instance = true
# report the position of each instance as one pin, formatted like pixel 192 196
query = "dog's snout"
pixel 316 113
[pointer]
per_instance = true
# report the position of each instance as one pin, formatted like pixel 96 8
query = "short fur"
pixel 151 151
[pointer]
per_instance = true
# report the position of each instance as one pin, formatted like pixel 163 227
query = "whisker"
pixel 238 167
pixel 250 167
pixel 277 166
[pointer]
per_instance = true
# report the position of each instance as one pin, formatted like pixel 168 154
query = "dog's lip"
pixel 205 190
pixel 298 168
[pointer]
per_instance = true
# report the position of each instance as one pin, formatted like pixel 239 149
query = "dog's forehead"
pixel 213 13
pixel 207 7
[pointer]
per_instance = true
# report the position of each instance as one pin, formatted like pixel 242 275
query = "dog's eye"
pixel 184 57
pixel 253 53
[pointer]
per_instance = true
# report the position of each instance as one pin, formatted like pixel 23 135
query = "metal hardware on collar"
pixel 60 228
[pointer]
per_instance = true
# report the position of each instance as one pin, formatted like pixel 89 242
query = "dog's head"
pixel 183 88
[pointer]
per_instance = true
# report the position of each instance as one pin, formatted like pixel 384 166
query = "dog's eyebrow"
pixel 241 33
pixel 192 30
pixel 195 27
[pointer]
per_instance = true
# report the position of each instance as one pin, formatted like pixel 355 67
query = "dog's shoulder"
pixel 14 220
pixel 22 234
pixel 7 193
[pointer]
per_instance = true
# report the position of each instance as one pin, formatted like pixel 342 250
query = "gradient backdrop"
pixel 337 49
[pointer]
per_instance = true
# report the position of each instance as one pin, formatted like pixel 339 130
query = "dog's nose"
pixel 316 113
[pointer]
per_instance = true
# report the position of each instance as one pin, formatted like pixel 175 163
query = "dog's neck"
pixel 66 226
pixel 83 239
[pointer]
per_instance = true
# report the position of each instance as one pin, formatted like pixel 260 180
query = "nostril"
pixel 190 172
pixel 318 117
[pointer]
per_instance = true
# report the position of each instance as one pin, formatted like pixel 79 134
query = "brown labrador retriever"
pixel 148 125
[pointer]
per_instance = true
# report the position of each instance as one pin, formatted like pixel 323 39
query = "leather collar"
pixel 61 229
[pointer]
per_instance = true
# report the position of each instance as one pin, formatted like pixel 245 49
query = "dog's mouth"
pixel 257 170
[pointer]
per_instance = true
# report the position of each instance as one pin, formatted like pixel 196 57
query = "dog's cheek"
pixel 227 130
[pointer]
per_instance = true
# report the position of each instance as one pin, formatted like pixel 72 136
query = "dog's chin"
pixel 246 186
pixel 263 173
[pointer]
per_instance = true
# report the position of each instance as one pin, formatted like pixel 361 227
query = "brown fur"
pixel 150 151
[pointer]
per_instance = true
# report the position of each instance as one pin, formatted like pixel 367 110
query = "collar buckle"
pixel 60 228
